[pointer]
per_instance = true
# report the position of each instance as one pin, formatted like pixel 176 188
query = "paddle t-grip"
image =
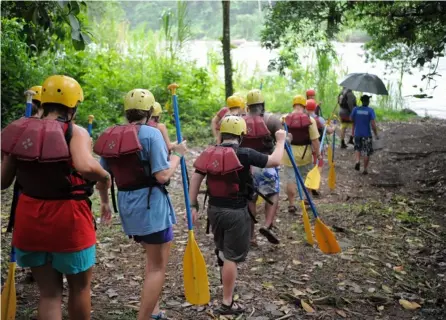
pixel 172 87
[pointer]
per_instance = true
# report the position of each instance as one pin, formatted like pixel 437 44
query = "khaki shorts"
pixel 346 125
pixel 290 176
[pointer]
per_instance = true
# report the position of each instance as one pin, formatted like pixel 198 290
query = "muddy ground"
pixel 391 226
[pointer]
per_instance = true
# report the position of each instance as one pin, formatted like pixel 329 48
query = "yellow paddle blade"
pixel 196 285
pixel 326 239
pixel 332 177
pixel 259 201
pixel 307 226
pixel 330 155
pixel 313 180
pixel 9 295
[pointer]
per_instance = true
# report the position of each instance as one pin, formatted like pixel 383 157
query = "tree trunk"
pixel 226 41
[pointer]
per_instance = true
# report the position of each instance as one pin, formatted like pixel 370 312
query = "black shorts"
pixel 232 231
pixel 364 145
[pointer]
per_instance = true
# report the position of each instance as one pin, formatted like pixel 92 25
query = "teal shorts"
pixel 66 263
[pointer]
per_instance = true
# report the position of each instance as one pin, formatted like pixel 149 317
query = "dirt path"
pixel 391 225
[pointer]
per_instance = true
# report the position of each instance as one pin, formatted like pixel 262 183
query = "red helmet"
pixel 311 104
pixel 311 93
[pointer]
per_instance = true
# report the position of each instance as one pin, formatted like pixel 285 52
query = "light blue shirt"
pixel 136 218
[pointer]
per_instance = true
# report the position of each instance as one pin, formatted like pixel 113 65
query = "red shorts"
pixel 53 225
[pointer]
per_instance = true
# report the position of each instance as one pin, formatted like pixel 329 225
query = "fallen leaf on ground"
pixel 306 306
pixel 298 292
pixel 341 313
pixel 259 260
pixel 380 308
pixel 296 262
pixel 111 293
pixel 236 297
pixel 409 305
pixel 318 263
pixel 386 289
pixel 371 290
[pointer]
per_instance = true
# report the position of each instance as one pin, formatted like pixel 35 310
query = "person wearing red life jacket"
pixel 54 229
pixel 311 94
pixel 155 122
pixel 260 136
pixel 230 187
pixel 136 156
pixel 304 136
pixel 235 105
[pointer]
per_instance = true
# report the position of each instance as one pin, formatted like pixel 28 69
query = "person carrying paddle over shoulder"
pixel 346 101
pixel 311 94
pixel 136 156
pixel 230 187
pixel 155 122
pixel 54 229
pixel 304 135
pixel 261 128
pixel 235 105
pixel 363 119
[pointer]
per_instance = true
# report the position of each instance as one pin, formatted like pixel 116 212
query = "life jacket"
pixel 221 166
pixel 43 159
pixel 298 125
pixel 257 137
pixel 120 147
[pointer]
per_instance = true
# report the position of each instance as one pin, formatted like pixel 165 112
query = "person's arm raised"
pixel 178 151
pixel 83 160
pixel 275 159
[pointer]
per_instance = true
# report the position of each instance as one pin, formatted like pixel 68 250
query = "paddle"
pixel 325 237
pixel 90 124
pixel 306 219
pixel 313 180
pixel 331 171
pixel 196 285
pixel 8 296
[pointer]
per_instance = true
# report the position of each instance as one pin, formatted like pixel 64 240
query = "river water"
pixel 250 56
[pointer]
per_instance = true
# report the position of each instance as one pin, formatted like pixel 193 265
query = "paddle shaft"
pixel 323 139
pixel 90 124
pixel 290 155
pixel 299 178
pixel 183 162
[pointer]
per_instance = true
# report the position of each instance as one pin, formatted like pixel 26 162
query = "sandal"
pixel 160 316
pixel 233 309
pixel 292 209
pixel 269 234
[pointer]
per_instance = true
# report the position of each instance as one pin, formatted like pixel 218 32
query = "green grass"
pixel 387 114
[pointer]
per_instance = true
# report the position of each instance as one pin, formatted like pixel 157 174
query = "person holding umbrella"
pixel 363 118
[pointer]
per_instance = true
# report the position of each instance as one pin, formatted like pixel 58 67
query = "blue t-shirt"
pixel 136 219
pixel 362 118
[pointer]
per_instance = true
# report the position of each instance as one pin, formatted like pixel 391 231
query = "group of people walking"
pixel 54 229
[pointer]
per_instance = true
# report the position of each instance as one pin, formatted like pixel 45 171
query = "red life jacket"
pixel 257 137
pixel 298 125
pixel 221 166
pixel 44 168
pixel 120 147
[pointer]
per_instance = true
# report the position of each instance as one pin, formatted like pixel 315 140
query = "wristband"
pixel 195 206
pixel 177 154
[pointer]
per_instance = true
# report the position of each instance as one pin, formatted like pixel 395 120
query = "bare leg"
pixel 366 163
pixel 291 191
pixel 157 256
pixel 358 157
pixel 50 286
pixel 229 274
pixel 79 299
pixel 271 210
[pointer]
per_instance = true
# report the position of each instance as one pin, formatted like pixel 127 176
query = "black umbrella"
pixel 365 82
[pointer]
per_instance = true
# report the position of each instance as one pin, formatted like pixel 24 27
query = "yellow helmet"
pixel 254 96
pixel 157 110
pixel 63 90
pixel 299 99
pixel 38 91
pixel 234 102
pixel 139 99
pixel 234 125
